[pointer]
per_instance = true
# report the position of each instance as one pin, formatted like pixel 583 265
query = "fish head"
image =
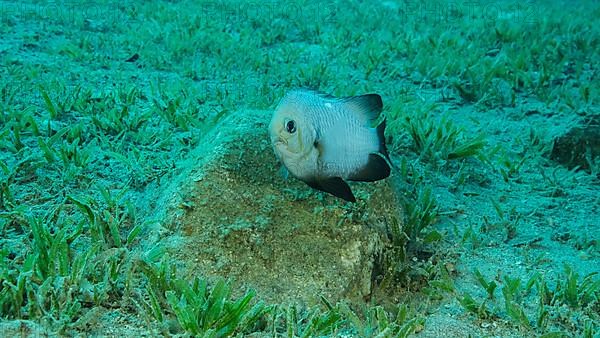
pixel 293 137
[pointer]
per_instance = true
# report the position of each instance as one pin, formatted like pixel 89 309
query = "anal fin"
pixel 376 169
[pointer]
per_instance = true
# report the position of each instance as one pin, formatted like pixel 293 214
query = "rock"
pixel 22 328
pixel 580 146
pixel 232 215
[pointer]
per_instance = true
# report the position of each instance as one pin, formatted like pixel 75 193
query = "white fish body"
pixel 323 140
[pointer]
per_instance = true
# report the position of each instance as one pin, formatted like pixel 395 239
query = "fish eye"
pixel 290 126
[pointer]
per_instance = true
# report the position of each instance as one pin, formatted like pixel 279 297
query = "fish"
pixel 325 141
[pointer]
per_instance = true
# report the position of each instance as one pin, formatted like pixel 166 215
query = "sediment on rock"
pixel 235 217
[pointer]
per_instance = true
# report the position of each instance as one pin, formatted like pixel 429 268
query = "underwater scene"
pixel 389 168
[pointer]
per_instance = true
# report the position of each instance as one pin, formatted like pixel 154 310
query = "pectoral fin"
pixel 333 185
pixel 283 172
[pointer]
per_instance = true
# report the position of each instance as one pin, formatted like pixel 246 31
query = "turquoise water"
pixel 140 193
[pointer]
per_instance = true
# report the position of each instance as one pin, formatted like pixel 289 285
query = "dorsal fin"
pixel 365 107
